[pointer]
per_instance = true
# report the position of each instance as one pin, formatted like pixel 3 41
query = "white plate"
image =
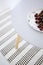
pixel 31 20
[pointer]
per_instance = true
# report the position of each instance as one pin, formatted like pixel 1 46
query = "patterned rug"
pixel 26 54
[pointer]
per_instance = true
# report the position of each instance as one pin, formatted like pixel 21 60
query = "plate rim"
pixel 29 21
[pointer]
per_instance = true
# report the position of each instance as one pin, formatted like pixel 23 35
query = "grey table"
pixel 19 14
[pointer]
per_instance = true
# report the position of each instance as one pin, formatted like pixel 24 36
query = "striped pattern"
pixel 11 58
pixel 27 57
pixel 40 61
pixel 26 54
pixel 5 37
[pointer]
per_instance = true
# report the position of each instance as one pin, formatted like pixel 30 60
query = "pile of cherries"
pixel 39 20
